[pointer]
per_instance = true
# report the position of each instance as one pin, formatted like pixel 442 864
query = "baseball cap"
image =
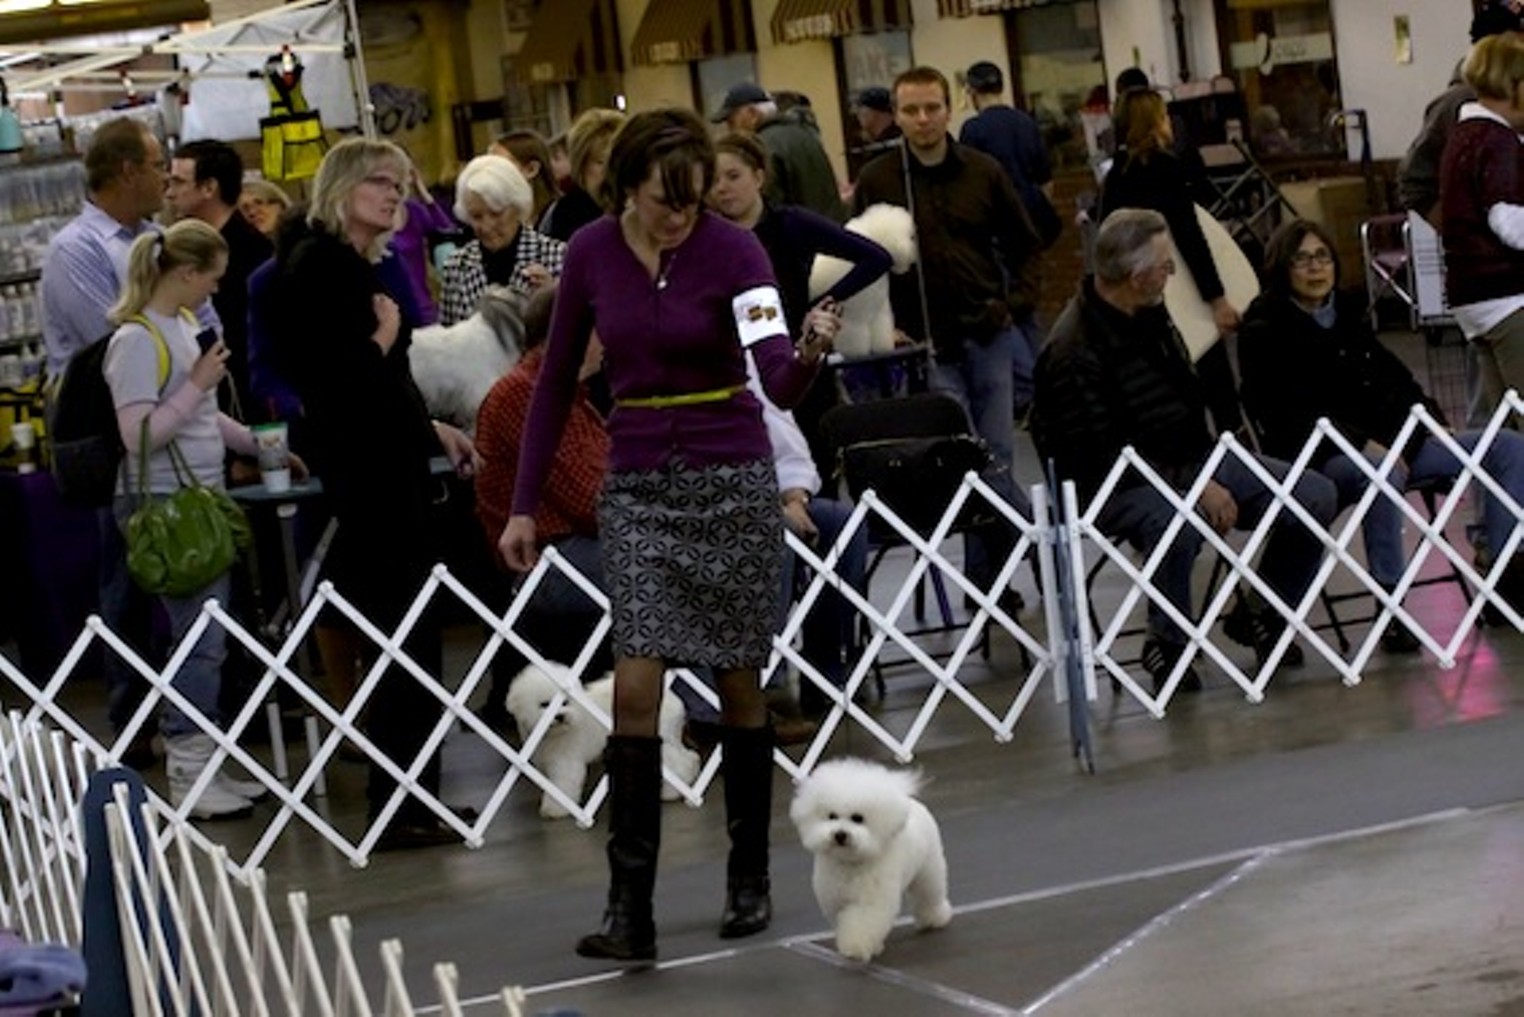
pixel 984 77
pixel 875 97
pixel 746 93
pixel 1495 18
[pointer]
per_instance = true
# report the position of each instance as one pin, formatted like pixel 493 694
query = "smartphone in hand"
pixel 207 338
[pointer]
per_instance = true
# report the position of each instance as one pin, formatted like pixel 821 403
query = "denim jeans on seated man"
pixel 1382 525
pixel 1290 556
pixel 982 383
pixel 828 635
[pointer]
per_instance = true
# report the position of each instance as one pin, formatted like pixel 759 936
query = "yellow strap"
pixel 716 395
pixel 163 347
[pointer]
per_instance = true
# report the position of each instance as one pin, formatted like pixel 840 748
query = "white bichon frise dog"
pixel 873 842
pixel 456 365
pixel 867 322
pixel 576 737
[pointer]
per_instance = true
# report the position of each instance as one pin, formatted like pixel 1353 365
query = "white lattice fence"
pixel 198 934
pixel 1071 537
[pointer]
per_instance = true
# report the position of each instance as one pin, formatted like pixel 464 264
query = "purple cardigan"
pixel 410 245
pixel 672 335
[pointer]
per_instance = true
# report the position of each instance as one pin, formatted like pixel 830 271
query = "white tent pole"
pixel 357 77
pixel 172 45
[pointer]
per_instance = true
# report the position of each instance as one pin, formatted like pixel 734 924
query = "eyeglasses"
pixel 382 180
pixel 1322 258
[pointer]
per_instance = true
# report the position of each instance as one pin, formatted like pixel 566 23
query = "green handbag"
pixel 179 544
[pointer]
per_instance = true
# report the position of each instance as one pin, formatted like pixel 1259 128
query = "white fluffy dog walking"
pixel 873 842
pixel 867 321
pixel 576 737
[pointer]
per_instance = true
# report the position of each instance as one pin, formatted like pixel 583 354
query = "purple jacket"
pixel 410 246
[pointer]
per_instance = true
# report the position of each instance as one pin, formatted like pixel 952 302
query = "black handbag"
pixel 917 477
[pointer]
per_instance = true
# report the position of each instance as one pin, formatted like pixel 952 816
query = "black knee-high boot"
pixel 628 931
pixel 748 771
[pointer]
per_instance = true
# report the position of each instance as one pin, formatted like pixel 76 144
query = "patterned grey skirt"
pixel 692 559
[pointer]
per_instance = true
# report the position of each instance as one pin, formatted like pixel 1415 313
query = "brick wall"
pixel 1063 263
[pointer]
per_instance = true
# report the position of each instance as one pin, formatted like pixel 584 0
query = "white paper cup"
pixel 24 443
pixel 274 457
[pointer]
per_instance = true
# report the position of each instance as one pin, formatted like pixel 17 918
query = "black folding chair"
pixel 913 452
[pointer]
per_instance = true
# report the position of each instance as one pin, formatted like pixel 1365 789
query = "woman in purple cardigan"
pixel 1481 181
pixel 689 514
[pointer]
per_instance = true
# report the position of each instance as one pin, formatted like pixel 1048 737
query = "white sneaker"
pixel 185 757
pixel 253 790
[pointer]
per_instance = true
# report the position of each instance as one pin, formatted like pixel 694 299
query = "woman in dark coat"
pixel 340 341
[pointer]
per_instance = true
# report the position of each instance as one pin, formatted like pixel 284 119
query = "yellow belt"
pixel 716 395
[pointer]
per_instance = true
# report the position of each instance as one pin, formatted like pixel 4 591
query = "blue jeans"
pixel 200 676
pixel 982 383
pixel 1024 364
pixel 1382 526
pixel 827 634
pixel 1140 516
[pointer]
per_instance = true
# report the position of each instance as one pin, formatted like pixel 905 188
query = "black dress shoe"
pixel 400 836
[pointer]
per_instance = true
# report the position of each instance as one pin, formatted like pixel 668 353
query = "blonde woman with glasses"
pixel 340 341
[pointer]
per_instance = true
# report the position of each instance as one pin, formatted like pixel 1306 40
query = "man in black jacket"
pixel 1115 373
pixel 978 251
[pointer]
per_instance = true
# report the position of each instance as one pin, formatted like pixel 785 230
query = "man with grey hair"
pixel 1116 373
pixel 798 170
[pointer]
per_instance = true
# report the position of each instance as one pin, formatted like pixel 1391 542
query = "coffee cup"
pixel 24 443
pixel 274 457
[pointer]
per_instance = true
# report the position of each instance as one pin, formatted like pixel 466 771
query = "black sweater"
pixel 1295 371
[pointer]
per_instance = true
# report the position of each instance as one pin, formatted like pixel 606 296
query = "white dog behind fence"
pixel 575 738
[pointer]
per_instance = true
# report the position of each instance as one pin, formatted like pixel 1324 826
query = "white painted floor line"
pixel 804 944
pixel 1155 924
pixel 1204 862
pixel 966 1001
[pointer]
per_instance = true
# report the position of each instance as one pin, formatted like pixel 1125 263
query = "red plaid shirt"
pixel 568 504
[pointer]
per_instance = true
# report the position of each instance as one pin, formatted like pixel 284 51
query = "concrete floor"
pixel 1332 850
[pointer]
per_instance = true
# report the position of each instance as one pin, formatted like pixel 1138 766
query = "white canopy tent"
pixel 223 67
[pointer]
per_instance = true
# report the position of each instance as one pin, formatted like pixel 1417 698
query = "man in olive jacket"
pixel 798 170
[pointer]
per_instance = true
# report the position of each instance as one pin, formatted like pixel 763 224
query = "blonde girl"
pixel 172 385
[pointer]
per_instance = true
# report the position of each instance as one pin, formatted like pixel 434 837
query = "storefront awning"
pixel 798 20
pixel 23 21
pixel 965 8
pixel 678 31
pixel 570 39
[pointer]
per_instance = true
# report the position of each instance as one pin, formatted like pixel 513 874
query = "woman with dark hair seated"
pixel 1307 351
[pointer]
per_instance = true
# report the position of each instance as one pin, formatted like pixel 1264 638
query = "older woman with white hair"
pixel 494 199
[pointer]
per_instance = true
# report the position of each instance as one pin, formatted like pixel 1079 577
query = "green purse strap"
pixel 176 457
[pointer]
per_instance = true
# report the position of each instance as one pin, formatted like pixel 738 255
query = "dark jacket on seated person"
pixel 1105 381
pixel 1295 371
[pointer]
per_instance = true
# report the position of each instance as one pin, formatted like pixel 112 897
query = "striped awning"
pixel 798 20
pixel 679 31
pixel 965 8
pixel 570 39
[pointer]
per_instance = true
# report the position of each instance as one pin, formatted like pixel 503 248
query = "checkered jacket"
pixel 465 280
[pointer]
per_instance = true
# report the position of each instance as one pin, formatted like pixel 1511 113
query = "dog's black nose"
pixel 840 837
